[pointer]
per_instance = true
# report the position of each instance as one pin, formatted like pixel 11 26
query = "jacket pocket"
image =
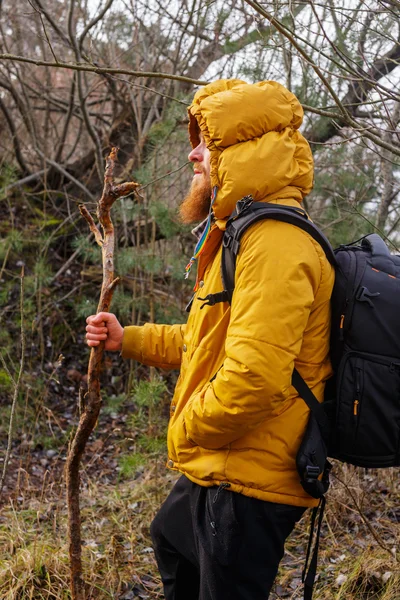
pixel 367 429
pixel 188 438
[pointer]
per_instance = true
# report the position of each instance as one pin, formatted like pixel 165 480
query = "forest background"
pixel 76 78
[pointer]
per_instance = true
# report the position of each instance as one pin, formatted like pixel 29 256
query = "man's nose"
pixel 197 154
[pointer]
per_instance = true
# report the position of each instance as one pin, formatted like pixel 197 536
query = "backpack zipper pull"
pixel 341 336
pixel 356 402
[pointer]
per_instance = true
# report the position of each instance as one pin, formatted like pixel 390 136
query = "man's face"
pixel 195 207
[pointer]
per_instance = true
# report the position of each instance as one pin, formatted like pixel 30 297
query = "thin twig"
pixel 321 112
pixel 82 97
pixel 17 384
pixel 45 31
pixel 15 139
pixel 375 227
pixel 143 187
pixel 52 22
pixel 25 180
pixel 92 225
pixel 366 522
pixel 65 266
pixel 94 22
pixel 7 370
pixel 66 174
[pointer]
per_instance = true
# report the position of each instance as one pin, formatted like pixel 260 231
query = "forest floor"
pixel 360 539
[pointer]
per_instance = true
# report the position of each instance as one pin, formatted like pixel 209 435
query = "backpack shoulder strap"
pixel 252 213
pixel 246 214
pixel 308 396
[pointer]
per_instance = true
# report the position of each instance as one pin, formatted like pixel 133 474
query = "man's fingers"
pixel 98 329
pixel 104 317
pixel 96 320
pixel 92 343
pixel 101 316
pixel 96 336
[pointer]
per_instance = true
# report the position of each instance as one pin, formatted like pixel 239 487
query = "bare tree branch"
pixel 94 22
pixel 101 70
pixel 33 177
pixel 52 22
pixel 82 100
pixel 387 175
pixel 61 169
pixel 15 139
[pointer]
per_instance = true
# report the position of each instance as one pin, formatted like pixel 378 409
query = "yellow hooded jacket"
pixel 235 416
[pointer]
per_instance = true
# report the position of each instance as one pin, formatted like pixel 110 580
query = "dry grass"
pixel 360 541
pixel 357 561
pixel 117 556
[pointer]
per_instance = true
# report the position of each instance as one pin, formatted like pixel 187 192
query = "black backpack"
pixel 359 420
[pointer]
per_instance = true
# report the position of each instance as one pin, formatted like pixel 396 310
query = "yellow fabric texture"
pixel 235 416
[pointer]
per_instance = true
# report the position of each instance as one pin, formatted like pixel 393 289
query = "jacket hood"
pixel 255 147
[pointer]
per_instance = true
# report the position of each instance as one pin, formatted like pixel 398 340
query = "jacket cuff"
pixel 132 342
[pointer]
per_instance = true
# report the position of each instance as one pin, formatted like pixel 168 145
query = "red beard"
pixel 196 206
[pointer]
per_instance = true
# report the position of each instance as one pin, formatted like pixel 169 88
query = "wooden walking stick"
pixel 92 400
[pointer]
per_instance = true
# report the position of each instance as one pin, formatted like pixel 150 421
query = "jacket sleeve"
pixel 154 345
pixel 278 272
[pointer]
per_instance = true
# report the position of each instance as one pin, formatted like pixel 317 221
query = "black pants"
pixel 213 544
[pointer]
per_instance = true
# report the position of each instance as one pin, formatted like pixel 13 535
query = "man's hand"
pixel 104 326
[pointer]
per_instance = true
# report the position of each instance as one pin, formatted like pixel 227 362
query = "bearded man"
pixel 236 421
